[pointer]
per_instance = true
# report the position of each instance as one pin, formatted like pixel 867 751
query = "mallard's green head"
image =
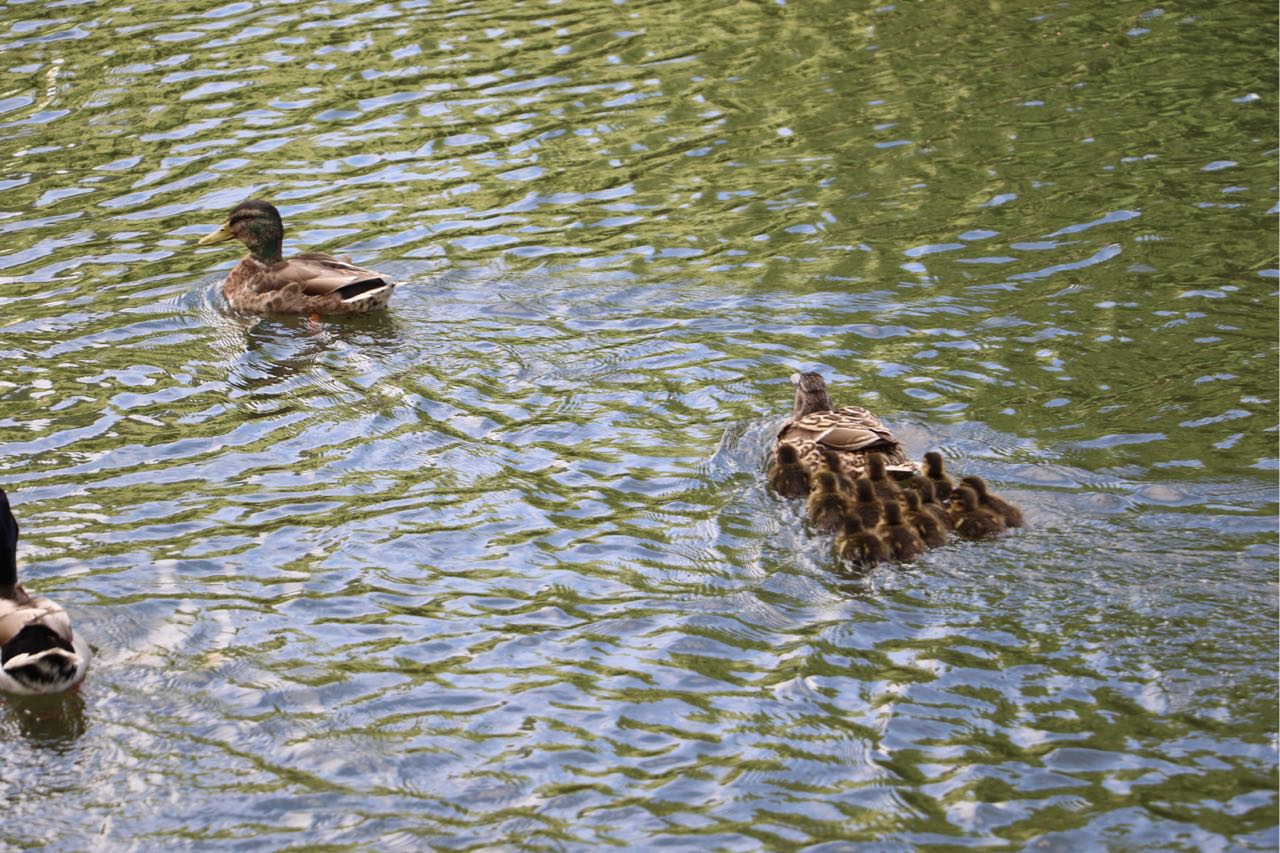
pixel 256 224
pixel 811 394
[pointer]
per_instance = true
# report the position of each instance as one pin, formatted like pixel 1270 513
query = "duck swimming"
pixel 859 546
pixel 1011 515
pixel 865 504
pixel 885 488
pixel 851 433
pixel 786 475
pixel 972 520
pixel 903 540
pixel 929 500
pixel 931 530
pixel 39 653
pixel 264 282
pixel 826 507
pixel 942 484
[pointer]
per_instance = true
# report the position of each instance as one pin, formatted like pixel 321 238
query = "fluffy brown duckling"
pixel 826 507
pixel 787 476
pixel 865 504
pixel 835 464
pixel 972 520
pixel 923 486
pixel 942 484
pixel 903 540
pixel 886 489
pixel 932 531
pixel 860 547
pixel 1011 515
pixel 265 282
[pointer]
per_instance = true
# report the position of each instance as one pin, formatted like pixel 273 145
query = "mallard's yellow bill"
pixel 223 233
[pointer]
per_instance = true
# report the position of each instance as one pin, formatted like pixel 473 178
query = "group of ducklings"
pixel 860 486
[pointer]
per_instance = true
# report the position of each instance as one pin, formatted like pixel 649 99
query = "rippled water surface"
pixel 496 568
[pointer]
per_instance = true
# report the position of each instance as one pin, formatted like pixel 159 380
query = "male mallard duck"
pixel 786 475
pixel 39 653
pixel 972 520
pixel 311 283
pixel 932 531
pixel 852 432
pixel 903 540
pixel 1011 514
pixel 826 507
pixel 859 546
pixel 865 504
pixel 942 484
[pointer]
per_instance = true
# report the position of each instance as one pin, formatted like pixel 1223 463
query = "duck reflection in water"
pixel 273 352
pixel 54 721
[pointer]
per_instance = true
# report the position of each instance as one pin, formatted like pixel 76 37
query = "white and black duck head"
pixel 39 653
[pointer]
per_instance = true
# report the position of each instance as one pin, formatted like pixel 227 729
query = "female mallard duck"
pixel 786 475
pixel 39 653
pixel 859 546
pixel 1011 514
pixel 826 508
pixel 851 432
pixel 901 538
pixel 311 283
pixel 972 520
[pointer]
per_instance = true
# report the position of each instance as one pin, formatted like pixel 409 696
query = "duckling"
pixel 786 475
pixel 859 546
pixel 866 505
pixel 942 484
pixel 851 432
pixel 903 541
pixel 39 653
pixel 886 490
pixel 923 486
pixel 826 508
pixel 1011 515
pixel 835 464
pixel 310 283
pixel 972 520
pixel 930 529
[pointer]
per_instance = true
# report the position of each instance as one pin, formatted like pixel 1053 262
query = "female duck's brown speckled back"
pixel 839 439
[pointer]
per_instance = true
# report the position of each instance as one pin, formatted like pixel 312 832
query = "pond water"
pixel 496 568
